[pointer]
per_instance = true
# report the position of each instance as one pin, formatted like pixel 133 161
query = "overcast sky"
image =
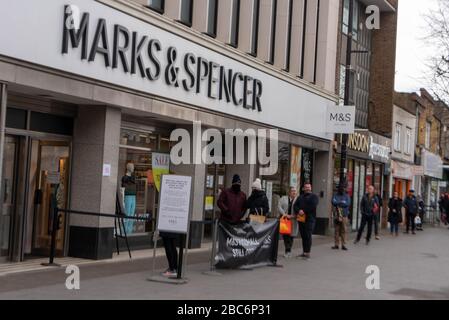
pixel 412 51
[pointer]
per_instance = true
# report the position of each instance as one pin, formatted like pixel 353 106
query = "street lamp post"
pixel 344 140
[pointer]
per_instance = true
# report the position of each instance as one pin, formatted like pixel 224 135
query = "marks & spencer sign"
pixel 132 51
pixel 142 55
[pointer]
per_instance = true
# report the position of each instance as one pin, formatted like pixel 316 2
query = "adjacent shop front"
pixel 368 164
pixel 433 174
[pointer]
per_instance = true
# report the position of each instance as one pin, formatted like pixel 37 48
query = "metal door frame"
pixel 25 137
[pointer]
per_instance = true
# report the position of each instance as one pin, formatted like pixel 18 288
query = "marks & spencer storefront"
pixel 80 104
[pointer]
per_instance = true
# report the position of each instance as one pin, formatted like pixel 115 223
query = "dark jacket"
pixel 232 205
pixel 257 203
pixel 411 205
pixel 367 205
pixel 395 210
pixel 308 203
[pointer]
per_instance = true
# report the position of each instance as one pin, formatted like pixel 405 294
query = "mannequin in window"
pixel 129 183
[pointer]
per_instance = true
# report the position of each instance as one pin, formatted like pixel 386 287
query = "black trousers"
pixel 366 220
pixel 376 224
pixel 171 252
pixel 306 231
pixel 288 243
pixel 411 222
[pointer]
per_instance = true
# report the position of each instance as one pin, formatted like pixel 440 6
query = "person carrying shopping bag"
pixel 341 203
pixel 305 209
pixel 285 207
pixel 257 203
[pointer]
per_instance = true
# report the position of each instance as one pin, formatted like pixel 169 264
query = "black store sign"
pixel 142 55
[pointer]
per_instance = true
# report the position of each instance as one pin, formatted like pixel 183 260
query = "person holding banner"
pixel 285 207
pixel 232 202
pixel 305 208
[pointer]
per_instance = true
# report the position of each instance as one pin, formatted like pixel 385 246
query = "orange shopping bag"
pixel 285 226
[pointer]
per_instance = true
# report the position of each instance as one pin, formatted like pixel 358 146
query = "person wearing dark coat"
pixel 305 207
pixel 369 206
pixel 411 211
pixel 257 202
pixel 232 202
pixel 395 213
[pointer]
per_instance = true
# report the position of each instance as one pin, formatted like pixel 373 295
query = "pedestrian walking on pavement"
pixel 395 213
pixel 341 203
pixel 376 218
pixel 285 207
pixel 305 210
pixel 369 206
pixel 232 202
pixel 411 211
pixel 419 220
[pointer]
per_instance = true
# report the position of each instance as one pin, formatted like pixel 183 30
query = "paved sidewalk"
pixel 411 267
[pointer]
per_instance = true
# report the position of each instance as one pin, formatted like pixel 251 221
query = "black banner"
pixel 247 244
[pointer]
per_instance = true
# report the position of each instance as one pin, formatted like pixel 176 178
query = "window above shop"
pixel 157 5
pixel 397 137
pixel 186 12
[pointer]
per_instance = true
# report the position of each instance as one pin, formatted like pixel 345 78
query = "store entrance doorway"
pixel 35 168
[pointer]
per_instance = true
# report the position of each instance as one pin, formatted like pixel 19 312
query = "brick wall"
pixel 383 64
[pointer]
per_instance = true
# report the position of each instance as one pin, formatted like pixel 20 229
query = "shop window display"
pixel 278 184
pixel 143 157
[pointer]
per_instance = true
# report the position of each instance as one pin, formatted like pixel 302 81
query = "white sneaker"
pixel 169 273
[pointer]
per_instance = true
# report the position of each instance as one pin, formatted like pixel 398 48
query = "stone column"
pixel 322 186
pixel 95 142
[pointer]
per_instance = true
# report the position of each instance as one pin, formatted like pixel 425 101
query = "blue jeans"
pixel 130 208
pixel 394 227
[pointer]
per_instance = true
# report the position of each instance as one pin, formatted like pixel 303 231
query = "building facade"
pixel 405 175
pixel 372 86
pixel 104 83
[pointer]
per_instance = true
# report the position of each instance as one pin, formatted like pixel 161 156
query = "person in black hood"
pixel 257 202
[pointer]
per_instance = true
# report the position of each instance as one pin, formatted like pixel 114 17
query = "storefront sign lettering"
pixel 139 54
pixel 359 142
pixel 377 150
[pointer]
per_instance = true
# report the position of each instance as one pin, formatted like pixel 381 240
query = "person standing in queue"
pixel 305 209
pixel 341 203
pixel 285 207
pixel 395 213
pixel 411 211
pixel 257 202
pixel 368 207
pixel 232 202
